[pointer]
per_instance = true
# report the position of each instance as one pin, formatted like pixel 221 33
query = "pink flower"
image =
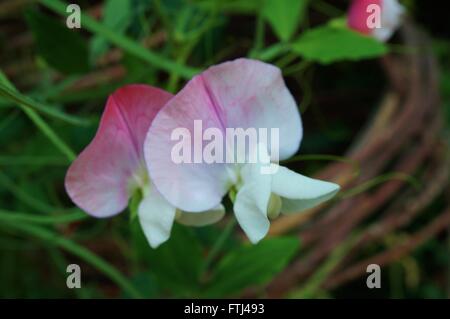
pixel 242 94
pixel 111 169
pixel 378 18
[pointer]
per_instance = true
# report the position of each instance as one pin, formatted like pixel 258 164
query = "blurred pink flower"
pixel 362 17
pixel 239 94
pixel 111 168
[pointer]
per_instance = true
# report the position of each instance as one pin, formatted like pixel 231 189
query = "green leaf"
pixel 62 48
pixel 8 90
pixel 329 44
pixel 77 250
pixel 146 284
pixel 176 264
pixel 252 265
pixel 117 17
pixel 248 7
pixel 70 217
pixel 285 16
pixel 127 44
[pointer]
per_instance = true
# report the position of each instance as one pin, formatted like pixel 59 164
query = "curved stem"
pixel 380 180
pixel 132 47
pixel 81 252
pixel 11 216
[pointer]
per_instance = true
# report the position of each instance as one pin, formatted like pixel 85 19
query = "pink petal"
pixel 357 15
pixel 239 94
pixel 252 94
pixel 100 178
pixel 191 187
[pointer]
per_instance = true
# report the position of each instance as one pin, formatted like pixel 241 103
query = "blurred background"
pixel 376 120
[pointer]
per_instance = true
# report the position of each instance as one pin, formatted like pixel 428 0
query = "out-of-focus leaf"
pixel 186 21
pixel 189 21
pixel 251 265
pixel 146 284
pixel 62 48
pixel 135 71
pixel 5 81
pixel 8 91
pixel 232 6
pixel 117 17
pixel 157 60
pixel 329 44
pixel 285 16
pixel 176 264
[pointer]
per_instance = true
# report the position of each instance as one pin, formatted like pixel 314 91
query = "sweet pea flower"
pixel 111 168
pixel 243 94
pixel 362 13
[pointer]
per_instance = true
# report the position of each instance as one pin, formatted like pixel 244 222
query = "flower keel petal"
pixel 156 217
pixel 99 180
pixel 299 192
pixel 252 201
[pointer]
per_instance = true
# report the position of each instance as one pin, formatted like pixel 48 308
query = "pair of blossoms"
pixel 132 152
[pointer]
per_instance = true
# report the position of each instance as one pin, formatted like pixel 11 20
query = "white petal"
pixel 299 192
pixel 251 202
pixel 203 218
pixel 156 217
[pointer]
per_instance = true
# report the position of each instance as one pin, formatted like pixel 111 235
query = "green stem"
pixel 323 157
pixel 258 43
pixel 380 180
pixel 296 68
pixel 80 252
pixel 33 161
pixel 14 96
pixel 127 44
pixel 184 55
pixel 273 51
pixel 285 60
pixel 12 216
pixel 313 285
pixel 7 88
pixel 48 131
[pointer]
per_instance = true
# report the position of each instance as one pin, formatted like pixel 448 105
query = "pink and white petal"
pixel 192 187
pixel 299 192
pixel 156 217
pixel 203 218
pixel 252 94
pixel 252 200
pixel 239 94
pixel 139 104
pixel 391 18
pixel 358 15
pixel 98 181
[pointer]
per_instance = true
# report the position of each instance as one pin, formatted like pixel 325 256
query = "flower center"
pixel 138 180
